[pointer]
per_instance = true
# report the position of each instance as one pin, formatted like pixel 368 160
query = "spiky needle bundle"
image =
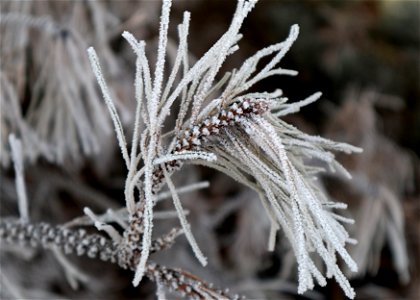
pixel 221 126
pixel 237 133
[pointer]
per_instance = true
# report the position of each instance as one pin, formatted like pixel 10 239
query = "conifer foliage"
pixel 221 125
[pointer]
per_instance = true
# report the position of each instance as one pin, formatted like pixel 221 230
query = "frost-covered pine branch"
pixel 80 243
pixel 238 133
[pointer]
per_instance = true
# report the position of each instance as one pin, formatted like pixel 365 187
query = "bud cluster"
pixel 192 138
pixel 129 249
pixel 67 240
pixel 79 242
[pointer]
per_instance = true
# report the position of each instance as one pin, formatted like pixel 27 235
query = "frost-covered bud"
pixel 193 137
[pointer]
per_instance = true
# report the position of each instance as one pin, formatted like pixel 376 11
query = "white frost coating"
pixel 294 32
pixel 138 48
pixel 182 48
pixel 239 82
pixel 229 38
pixel 94 61
pixel 183 220
pixel 136 134
pixel 16 147
pixel 208 66
pixel 301 214
pixel 148 213
pixel 302 195
pixel 186 155
pixel 295 107
pixel 152 105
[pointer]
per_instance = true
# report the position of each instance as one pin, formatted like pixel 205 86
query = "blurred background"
pixel 364 56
